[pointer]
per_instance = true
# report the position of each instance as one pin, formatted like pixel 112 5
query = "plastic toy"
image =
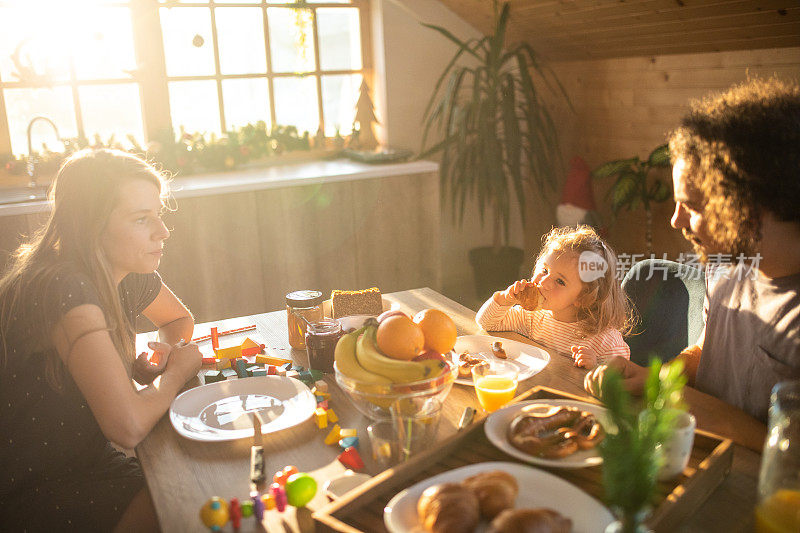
pixel 300 489
pixel 269 501
pixel 258 507
pixel 279 493
pixel 214 513
pixel 247 508
pixel 281 476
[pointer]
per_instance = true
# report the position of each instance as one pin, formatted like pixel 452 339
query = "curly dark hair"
pixel 742 150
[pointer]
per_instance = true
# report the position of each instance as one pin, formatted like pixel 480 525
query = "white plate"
pixel 530 359
pixel 537 489
pixel 496 427
pixel 221 411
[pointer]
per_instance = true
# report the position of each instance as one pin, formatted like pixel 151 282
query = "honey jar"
pixel 302 307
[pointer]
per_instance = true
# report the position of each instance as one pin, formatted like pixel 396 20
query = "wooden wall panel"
pixel 240 253
pixel 627 106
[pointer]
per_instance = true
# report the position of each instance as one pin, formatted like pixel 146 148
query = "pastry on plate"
pixel 496 491
pixel 530 521
pixel 557 432
pixel 448 508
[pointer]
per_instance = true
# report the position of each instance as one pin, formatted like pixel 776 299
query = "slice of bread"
pixel 364 302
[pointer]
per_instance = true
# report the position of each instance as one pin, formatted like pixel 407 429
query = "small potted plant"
pixel 631 452
pixel 633 185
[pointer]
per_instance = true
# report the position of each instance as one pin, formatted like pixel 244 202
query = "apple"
pixel 391 312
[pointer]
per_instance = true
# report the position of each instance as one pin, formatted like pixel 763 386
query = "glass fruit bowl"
pixel 417 398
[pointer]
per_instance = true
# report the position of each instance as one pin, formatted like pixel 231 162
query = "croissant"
pixel 448 508
pixel 496 491
pixel 530 521
pixel 529 297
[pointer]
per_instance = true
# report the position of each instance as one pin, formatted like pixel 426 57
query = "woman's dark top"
pixel 57 470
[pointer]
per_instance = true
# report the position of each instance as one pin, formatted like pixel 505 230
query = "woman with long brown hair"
pixel 68 305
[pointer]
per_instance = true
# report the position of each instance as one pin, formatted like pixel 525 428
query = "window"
pixel 135 68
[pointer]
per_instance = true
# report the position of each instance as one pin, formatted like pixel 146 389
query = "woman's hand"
pixel 510 295
pixel 584 357
pixel 633 376
pixel 185 361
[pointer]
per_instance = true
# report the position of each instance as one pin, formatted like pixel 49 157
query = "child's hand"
pixel 584 357
pixel 510 296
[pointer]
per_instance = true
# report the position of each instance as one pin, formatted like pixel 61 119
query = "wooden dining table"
pixel 182 474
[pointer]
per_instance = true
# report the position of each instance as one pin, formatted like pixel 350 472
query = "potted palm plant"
pixel 498 140
pixel 633 186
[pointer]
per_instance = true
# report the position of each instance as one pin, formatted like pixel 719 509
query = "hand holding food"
pixel 555 433
pixel 523 292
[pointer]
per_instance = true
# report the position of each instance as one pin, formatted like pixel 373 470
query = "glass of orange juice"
pixel 495 383
pixel 778 510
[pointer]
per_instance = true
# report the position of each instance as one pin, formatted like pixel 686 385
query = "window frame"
pixel 151 72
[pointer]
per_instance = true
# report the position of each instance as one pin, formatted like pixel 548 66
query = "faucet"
pixel 31 166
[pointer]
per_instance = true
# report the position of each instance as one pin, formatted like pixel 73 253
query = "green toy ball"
pixel 214 513
pixel 300 489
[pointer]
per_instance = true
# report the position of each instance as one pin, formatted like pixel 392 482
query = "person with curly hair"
pixel 736 177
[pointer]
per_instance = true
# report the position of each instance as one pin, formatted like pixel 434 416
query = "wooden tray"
pixel 362 508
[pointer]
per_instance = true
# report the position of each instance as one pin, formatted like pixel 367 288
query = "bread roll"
pixel 529 298
pixel 448 508
pixel 530 521
pixel 496 491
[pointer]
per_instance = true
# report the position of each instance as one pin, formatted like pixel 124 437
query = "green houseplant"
pixel 633 185
pixel 630 451
pixel 497 138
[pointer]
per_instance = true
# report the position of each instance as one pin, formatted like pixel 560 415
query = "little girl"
pixel 570 305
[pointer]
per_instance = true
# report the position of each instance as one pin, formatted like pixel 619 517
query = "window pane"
pixel 24 104
pixel 40 45
pixel 194 105
pixel 339 97
pixel 103 43
pixel 246 101
pixel 188 47
pixel 296 103
pixel 339 39
pixel 291 36
pixel 112 110
pixel 240 33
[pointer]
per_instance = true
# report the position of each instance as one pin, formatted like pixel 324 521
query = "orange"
pixel 400 338
pixel 439 330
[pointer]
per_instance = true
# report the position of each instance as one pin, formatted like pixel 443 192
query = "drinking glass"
pixel 394 441
pixel 778 509
pixel 495 383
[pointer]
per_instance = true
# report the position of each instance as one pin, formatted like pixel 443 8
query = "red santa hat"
pixel 578 187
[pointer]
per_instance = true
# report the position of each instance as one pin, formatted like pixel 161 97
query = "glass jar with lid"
pixel 302 307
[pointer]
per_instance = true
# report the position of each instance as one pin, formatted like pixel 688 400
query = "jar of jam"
pixel 302 307
pixel 321 339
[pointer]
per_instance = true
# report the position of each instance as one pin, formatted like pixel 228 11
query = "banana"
pixel 345 357
pixel 372 360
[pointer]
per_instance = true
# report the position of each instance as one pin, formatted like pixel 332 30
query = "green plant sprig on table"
pixel 630 457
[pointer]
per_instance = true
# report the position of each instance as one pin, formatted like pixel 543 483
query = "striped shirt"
pixel 559 336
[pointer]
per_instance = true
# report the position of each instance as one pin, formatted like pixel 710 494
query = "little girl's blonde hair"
pixel 602 303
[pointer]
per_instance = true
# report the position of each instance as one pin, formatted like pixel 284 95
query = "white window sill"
pixel 254 179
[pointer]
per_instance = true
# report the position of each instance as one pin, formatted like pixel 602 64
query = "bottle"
pixel 302 307
pixel 778 508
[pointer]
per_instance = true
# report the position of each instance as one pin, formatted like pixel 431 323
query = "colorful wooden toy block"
pixel 212 376
pixel 351 459
pixel 236 514
pixel 334 435
pixel 272 370
pixel 332 416
pixel 316 375
pixel 222 364
pixel 348 432
pixel 269 501
pixel 259 372
pixel 348 442
pixel 250 347
pixel 320 387
pixel 241 368
pixel 321 417
pixel 323 404
pixel 272 360
pixel 209 360
pixel 228 373
pixel 247 508
pixel 258 507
